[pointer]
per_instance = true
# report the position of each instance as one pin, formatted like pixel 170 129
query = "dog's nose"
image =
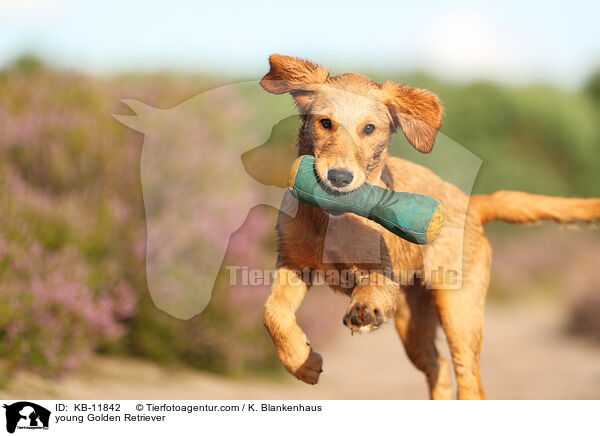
pixel 339 178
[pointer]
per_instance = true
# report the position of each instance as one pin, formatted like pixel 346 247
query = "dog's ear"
pixel 416 111
pixel 298 77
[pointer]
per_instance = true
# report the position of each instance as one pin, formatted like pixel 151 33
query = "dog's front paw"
pixel 363 317
pixel 311 369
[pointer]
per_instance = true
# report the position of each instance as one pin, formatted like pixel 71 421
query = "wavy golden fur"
pixel 347 121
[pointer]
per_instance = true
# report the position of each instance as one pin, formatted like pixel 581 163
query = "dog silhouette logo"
pixel 26 415
pixel 202 170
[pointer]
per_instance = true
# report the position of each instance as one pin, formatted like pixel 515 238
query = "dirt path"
pixel 525 357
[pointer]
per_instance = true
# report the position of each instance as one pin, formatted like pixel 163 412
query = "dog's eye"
pixel 326 123
pixel 369 128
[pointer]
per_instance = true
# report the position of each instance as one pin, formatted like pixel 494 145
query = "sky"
pixel 506 41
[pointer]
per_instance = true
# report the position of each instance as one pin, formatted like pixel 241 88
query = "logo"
pixel 193 207
pixel 26 415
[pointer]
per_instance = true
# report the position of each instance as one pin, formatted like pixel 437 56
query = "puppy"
pixel 347 122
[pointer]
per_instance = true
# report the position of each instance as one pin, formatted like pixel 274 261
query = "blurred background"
pixel 521 88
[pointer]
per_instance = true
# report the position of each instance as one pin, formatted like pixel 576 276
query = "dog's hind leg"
pixel 417 323
pixel 462 321
pixel 291 343
pixel 461 313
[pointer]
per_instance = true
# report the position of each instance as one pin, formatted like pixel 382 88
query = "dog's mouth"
pixel 335 190
pixel 333 212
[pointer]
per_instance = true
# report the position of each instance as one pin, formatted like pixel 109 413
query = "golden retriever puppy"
pixel 347 122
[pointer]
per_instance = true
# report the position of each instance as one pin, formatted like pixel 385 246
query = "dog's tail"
pixel 522 208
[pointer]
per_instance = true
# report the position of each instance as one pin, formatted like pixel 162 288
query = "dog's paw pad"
pixel 362 317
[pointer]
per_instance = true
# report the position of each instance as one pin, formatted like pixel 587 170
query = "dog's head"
pixel 348 119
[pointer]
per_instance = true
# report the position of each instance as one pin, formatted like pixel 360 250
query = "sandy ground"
pixel 525 356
